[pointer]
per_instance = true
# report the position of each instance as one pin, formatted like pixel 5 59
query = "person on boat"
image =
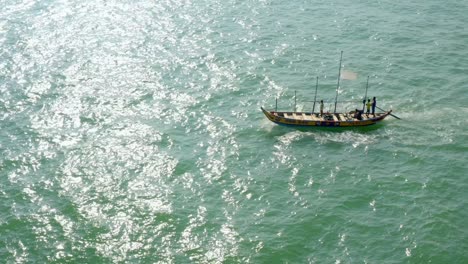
pixel 369 104
pixel 321 107
pixel 358 114
pixel 374 104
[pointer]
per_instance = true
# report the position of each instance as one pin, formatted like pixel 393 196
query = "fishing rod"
pixel 315 97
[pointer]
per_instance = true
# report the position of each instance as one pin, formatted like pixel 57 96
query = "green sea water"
pixel 131 132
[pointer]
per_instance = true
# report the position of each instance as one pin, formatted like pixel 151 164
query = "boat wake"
pixel 352 138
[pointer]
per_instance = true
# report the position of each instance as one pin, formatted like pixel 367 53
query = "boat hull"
pixel 303 119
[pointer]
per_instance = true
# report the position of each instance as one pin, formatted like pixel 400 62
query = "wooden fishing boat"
pixel 309 119
pixel 312 119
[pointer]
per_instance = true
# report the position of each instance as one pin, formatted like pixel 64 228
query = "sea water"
pixel 131 132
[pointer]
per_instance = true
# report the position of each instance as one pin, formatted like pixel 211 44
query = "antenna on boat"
pixel 276 104
pixel 365 96
pixel 338 86
pixel 315 97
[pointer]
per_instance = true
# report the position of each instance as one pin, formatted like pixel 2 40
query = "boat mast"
pixel 315 97
pixel 338 85
pixel 365 96
pixel 294 100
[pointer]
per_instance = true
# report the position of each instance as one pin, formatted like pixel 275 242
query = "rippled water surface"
pixel 131 131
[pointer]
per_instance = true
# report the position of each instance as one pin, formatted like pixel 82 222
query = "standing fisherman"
pixel 374 104
pixel 369 104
